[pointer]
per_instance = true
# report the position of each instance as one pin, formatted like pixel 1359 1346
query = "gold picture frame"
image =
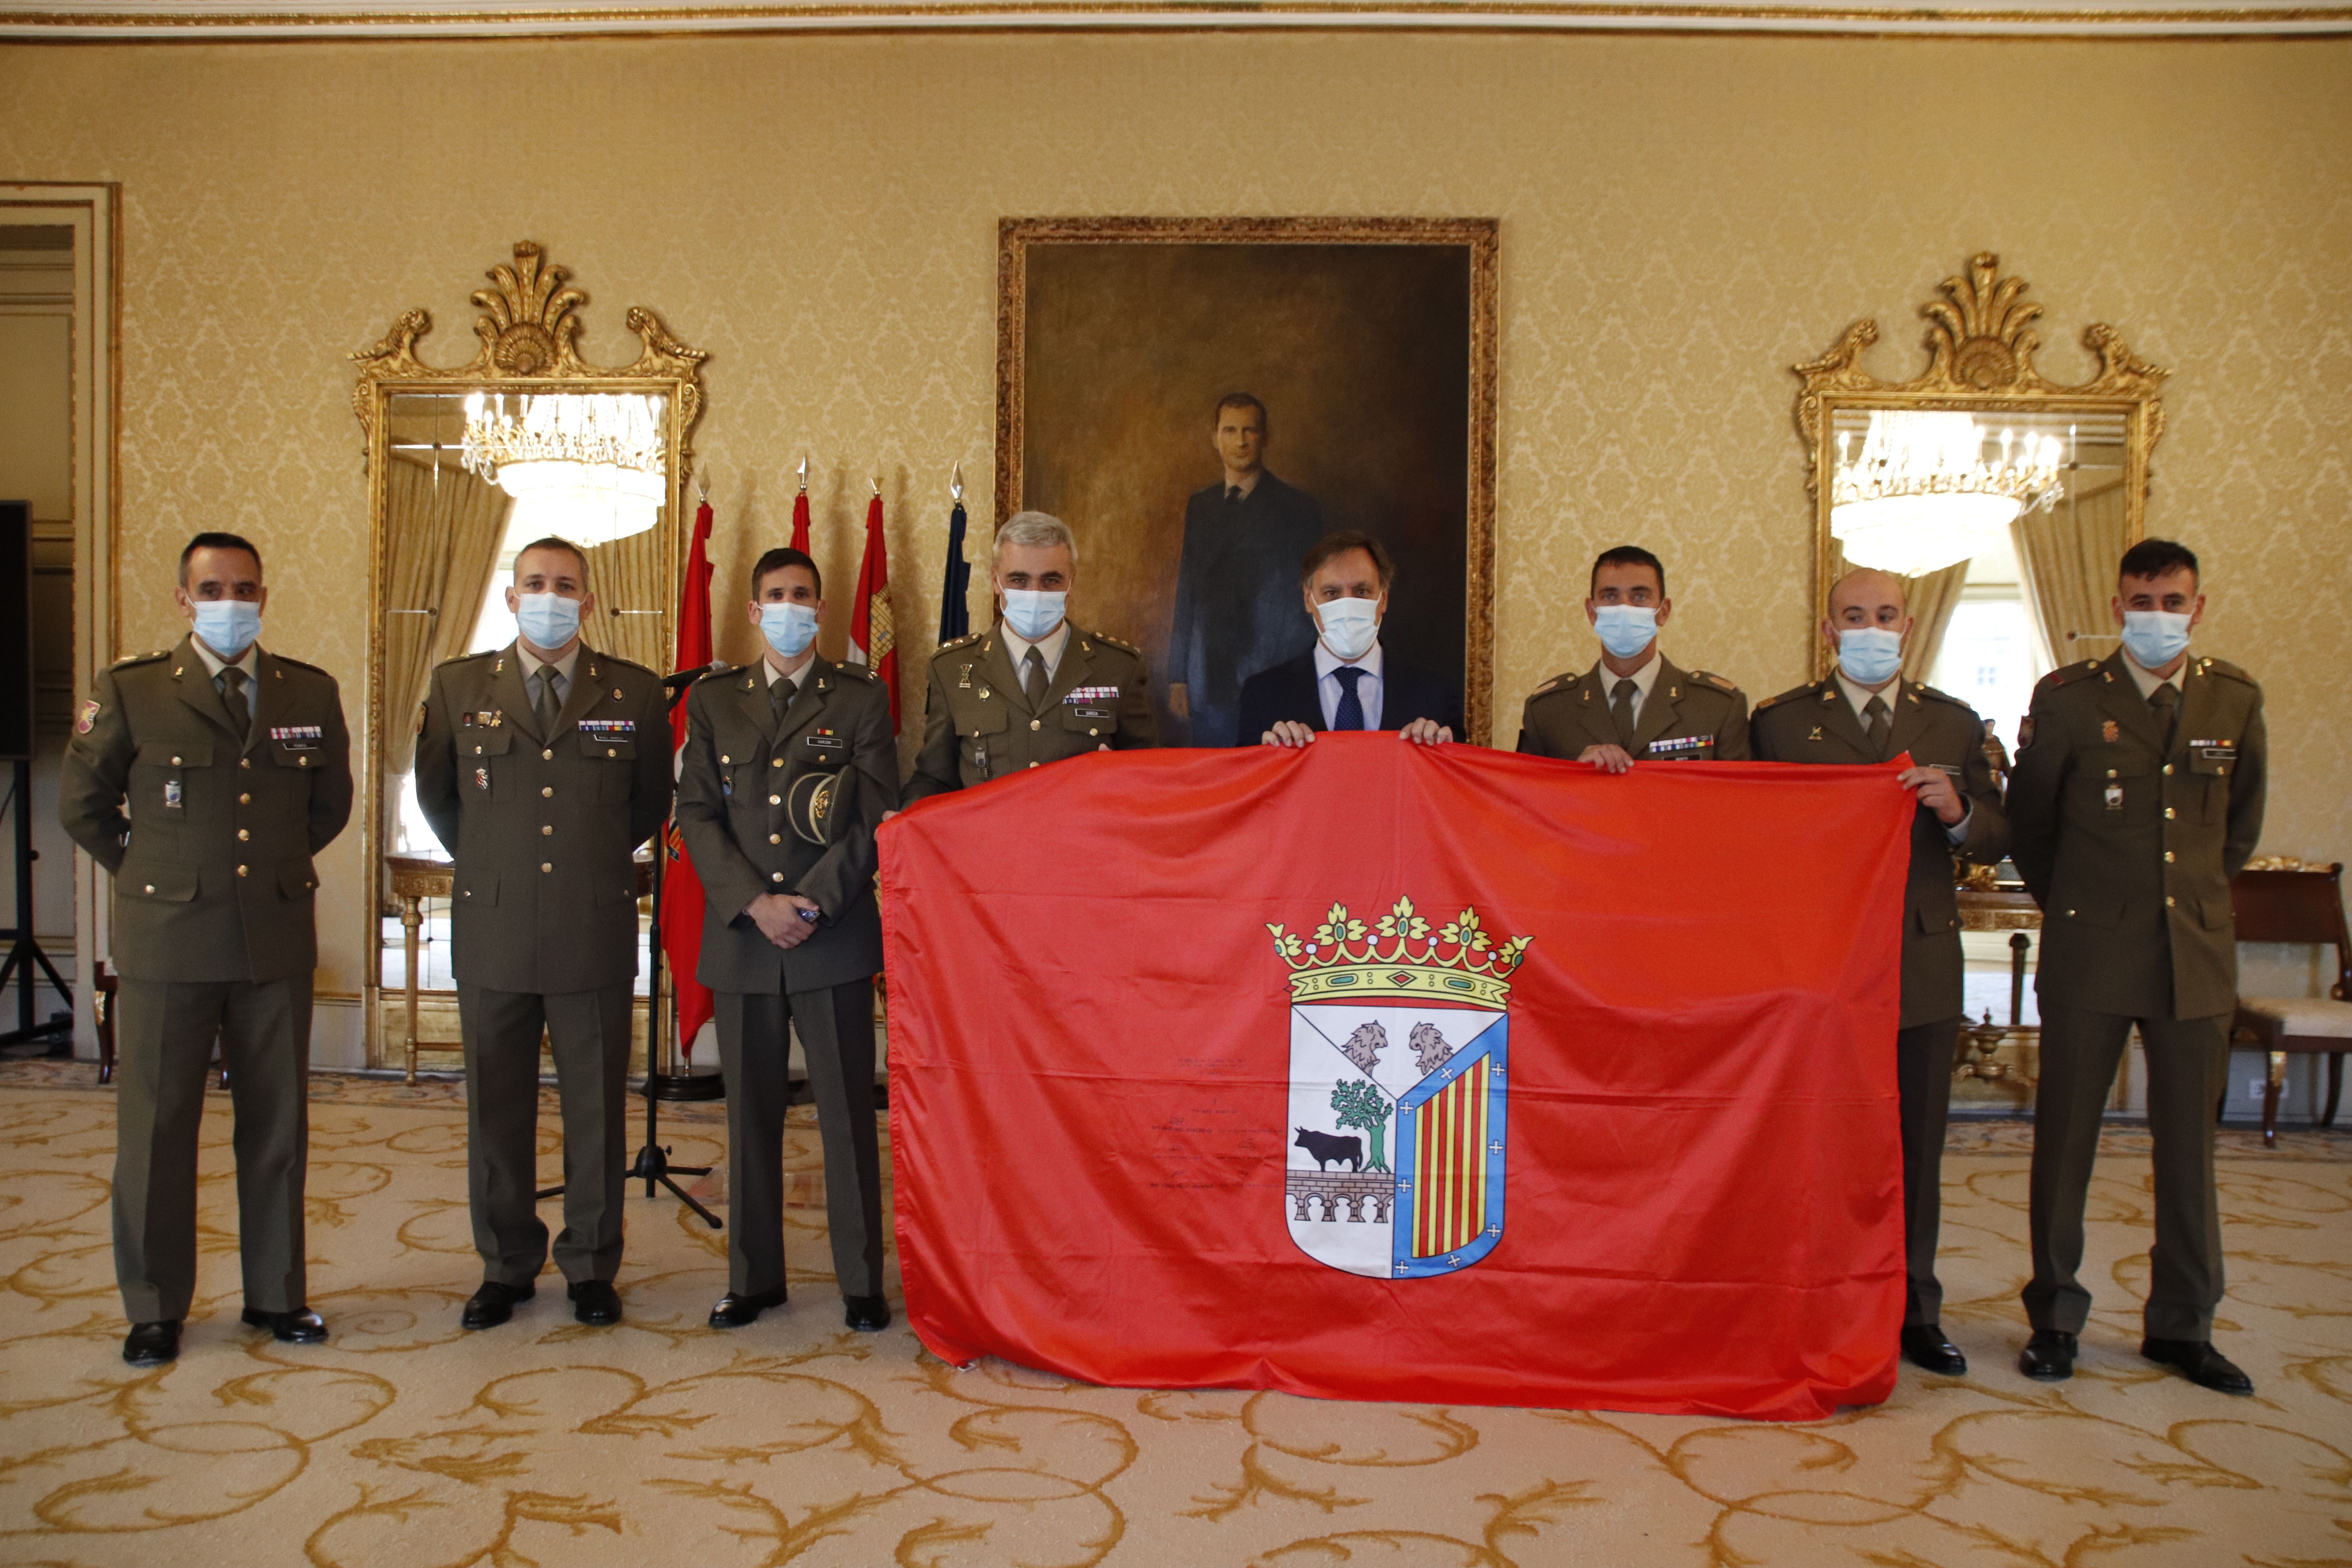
pixel 1020 239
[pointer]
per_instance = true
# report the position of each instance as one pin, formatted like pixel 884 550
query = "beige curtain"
pixel 627 575
pixel 443 545
pixel 2068 557
pixel 1932 599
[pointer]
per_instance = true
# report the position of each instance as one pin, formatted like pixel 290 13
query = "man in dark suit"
pixel 789 767
pixel 1347 682
pixel 1234 615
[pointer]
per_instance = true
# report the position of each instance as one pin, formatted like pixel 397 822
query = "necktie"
pixel 546 707
pixel 1232 495
pixel 2166 700
pixel 780 697
pixel 240 711
pixel 1352 706
pixel 1032 676
pixel 1621 710
pixel 1881 725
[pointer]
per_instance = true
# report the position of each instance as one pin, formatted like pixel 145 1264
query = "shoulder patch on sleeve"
pixel 85 717
pixel 139 658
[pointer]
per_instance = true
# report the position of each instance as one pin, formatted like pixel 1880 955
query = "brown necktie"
pixel 1881 725
pixel 2166 700
pixel 1621 709
pixel 547 707
pixel 1033 678
pixel 240 711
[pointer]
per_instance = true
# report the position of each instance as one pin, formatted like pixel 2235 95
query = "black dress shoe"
pixel 595 1302
pixel 2201 1364
pixel 1925 1346
pixel 735 1312
pixel 153 1344
pixel 299 1327
pixel 491 1305
pixel 2048 1356
pixel 866 1314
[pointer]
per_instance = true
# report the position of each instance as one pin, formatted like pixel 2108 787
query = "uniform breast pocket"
pixel 164 782
pixel 2111 780
pixel 826 752
pixel 613 761
pixel 1096 720
pixel 481 758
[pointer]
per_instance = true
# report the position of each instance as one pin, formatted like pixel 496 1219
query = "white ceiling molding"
pixel 127 21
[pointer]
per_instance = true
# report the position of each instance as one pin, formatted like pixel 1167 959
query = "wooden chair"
pixel 2304 906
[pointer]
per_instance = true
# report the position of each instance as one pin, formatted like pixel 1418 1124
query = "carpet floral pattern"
pixel 406 1441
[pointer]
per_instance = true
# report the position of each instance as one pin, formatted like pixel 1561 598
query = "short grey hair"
pixel 1035 530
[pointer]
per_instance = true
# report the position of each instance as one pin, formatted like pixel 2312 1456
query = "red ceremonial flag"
pixel 681 887
pixel 1381 1071
pixel 801 522
pixel 873 641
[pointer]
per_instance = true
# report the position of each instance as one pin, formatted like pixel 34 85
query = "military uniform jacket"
pixel 543 826
pixel 734 786
pixel 1691 716
pixel 1816 724
pixel 2128 846
pixel 210 838
pixel 978 725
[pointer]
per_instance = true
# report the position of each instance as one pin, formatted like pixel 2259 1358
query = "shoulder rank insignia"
pixel 1713 679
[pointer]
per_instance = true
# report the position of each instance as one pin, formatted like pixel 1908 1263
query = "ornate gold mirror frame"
pixel 1981 345
pixel 529 329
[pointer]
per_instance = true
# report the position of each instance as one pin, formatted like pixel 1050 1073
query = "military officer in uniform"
pixel 542 766
pixel 2137 795
pixel 1634 703
pixel 1866 712
pixel 206 779
pixel 1033 688
pixel 789 765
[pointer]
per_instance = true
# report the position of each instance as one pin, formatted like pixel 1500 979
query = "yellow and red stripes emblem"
pixel 1449 1200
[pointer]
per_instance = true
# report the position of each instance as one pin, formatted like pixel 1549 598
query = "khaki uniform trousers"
pixel 164 1031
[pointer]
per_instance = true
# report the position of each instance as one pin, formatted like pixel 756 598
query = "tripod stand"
pixel 652 1165
pixel 25 952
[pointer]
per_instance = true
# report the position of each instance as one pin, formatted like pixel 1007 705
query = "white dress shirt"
pixel 1329 687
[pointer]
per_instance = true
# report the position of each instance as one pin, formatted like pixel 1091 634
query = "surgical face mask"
pixel 1625 629
pixel 548 620
pixel 1870 655
pixel 789 629
pixel 229 626
pixel 2156 637
pixel 1350 627
pixel 1032 613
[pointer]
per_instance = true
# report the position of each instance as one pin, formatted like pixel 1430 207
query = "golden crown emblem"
pixel 1400 954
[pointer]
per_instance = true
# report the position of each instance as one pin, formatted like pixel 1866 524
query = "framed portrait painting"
pixel 1202 399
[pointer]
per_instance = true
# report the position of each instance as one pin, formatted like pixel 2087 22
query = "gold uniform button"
pixel 245 761
pixel 547 756
pixel 2168 770
pixel 175 762
pixel 150 887
pixel 2168 856
pixel 2111 773
pixel 775 839
pixel 1036 723
pixel 775 876
pixel 2170 814
pixel 243 834
pixel 775 761
pixel 1032 764
pixel 1094 732
pixel 547 866
pixel 545 790
pixel 775 800
pixel 240 871
pixel 2170 901
pixel 245 800
pixel 547 831
pixel 611 752
pixel 724 759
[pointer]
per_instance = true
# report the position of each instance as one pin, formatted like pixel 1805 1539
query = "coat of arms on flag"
pixel 1400 1063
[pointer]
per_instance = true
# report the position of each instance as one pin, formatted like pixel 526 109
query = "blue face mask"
pixel 228 626
pixel 789 629
pixel 1032 613
pixel 1870 655
pixel 1625 629
pixel 548 620
pixel 2154 638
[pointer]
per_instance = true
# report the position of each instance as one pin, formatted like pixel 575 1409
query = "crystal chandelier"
pixel 1923 494
pixel 591 463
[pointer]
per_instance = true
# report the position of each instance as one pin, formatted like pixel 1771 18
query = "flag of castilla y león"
pixel 1376 1070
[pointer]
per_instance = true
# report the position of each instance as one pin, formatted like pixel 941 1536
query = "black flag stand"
pixel 652 1165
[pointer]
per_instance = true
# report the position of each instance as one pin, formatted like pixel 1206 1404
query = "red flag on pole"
pixel 873 641
pixel 1512 1083
pixel 681 886
pixel 801 520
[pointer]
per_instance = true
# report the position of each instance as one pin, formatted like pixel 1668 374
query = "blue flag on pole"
pixel 955 618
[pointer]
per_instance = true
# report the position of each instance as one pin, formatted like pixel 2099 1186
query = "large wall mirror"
pixel 2002 497
pixel 466 464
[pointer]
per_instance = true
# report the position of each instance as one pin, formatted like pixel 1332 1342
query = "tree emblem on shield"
pixel 1400 1067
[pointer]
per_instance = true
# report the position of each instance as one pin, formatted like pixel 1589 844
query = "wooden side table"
pixel 414 879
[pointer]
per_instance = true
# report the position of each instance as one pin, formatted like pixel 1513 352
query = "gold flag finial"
pixel 804 473
pixel 877 487
pixel 955 483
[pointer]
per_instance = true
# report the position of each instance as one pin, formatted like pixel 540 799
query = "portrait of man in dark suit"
pixel 1236 580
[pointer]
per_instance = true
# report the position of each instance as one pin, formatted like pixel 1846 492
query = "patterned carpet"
pixel 404 1441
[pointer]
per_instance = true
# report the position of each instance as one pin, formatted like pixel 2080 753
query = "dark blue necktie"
pixel 1351 707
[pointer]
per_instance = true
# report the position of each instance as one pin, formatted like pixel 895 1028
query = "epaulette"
pixel 139 658
pixel 469 657
pixel 1120 643
pixel 1713 679
pixel 1791 695
pixel 968 638
pixel 1922 688
pixel 301 664
pixel 1557 683
pixel 2223 667
pixel 628 664
pixel 721 672
pixel 862 671
pixel 2068 674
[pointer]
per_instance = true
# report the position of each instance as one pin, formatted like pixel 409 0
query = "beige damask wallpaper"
pixel 1682 219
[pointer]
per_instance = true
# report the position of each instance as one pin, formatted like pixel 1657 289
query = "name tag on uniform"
pixel 1950 768
pixel 297 737
pixel 2215 750
pixel 609 730
pixel 1685 746
pixel 826 740
pixel 1092 694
